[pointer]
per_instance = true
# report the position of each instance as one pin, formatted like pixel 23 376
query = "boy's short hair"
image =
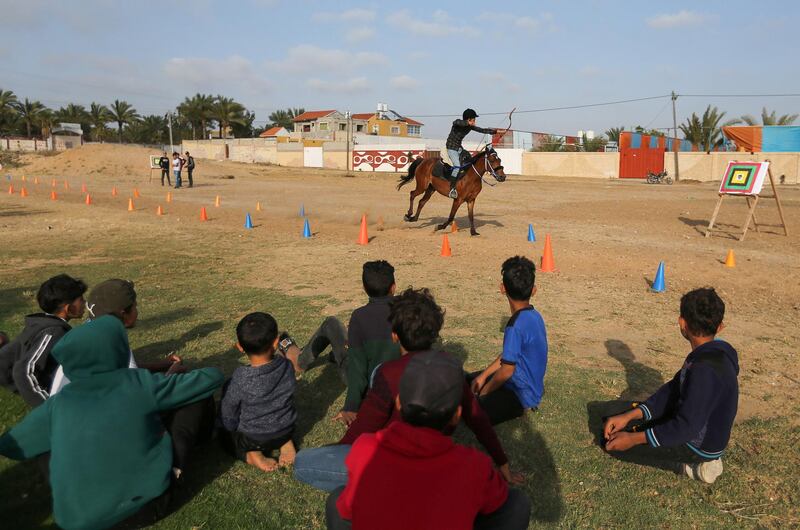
pixel 430 390
pixel 416 319
pixel 519 276
pixel 378 277
pixel 58 291
pixel 703 311
pixel 257 332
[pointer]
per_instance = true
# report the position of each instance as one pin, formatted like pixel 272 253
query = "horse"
pixel 468 186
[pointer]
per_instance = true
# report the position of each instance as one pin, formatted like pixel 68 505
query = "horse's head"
pixel 494 165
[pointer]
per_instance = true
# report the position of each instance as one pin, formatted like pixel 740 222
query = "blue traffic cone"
pixel 306 229
pixel 302 211
pixel 658 284
pixel 248 222
pixel 531 235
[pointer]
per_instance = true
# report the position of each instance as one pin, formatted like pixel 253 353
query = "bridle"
pixel 488 168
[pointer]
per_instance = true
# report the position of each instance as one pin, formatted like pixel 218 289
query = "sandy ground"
pixel 608 238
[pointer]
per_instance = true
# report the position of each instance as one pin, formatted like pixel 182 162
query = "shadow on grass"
pixel 14 304
pixel 25 496
pixel 314 396
pixel 642 380
pixel 20 211
pixel 165 318
pixel 158 350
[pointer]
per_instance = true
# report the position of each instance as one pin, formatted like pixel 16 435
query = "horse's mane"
pixel 474 158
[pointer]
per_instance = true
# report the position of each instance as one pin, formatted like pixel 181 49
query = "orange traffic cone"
pixel 169 196
pixel 445 247
pixel 455 227
pixel 23 178
pixel 159 211
pixel 730 259
pixel 114 191
pixel 258 206
pixel 548 264
pixel 53 196
pixel 216 201
pixel 363 238
pixel 35 181
pixel 23 192
pixel 130 204
pixel 203 214
pixel 88 199
pixel 135 193
pixel 11 189
pixel 83 188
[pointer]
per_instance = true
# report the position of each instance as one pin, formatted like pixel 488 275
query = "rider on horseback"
pixel 459 130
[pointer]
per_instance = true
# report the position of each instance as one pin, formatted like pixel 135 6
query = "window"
pixel 375 129
pixel 395 129
pixel 323 126
pixel 359 128
pixel 413 130
pixel 342 126
pixel 307 127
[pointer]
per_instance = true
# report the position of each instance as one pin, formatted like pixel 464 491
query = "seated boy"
pixel 433 483
pixel 514 382
pixel 697 407
pixel 416 320
pixel 109 454
pixel 25 362
pixel 369 336
pixel 258 402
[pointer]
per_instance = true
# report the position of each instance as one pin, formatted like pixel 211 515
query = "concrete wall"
pixel 24 144
pixel 711 166
pixel 590 165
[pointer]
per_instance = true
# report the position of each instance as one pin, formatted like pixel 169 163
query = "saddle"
pixel 443 170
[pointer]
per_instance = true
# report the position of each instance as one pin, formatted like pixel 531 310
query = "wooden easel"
pixel 751 208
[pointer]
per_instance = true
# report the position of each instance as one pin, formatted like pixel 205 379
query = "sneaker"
pixel 453 194
pixel 707 472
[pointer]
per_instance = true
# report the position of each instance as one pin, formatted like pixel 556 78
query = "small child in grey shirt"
pixel 258 402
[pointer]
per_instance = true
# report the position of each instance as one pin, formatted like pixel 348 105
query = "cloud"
pixel 359 34
pixel 441 25
pixel 307 59
pixel 404 82
pixel 682 18
pixel 494 79
pixel 510 20
pixel 357 85
pixel 206 74
pixel 351 15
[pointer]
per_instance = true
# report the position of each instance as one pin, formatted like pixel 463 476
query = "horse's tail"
pixel 412 169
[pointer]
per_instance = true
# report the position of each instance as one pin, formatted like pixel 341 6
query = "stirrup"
pixel 453 193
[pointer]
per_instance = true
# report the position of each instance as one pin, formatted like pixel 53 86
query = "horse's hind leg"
pixel 456 204
pixel 471 210
pixel 423 200
pixel 412 195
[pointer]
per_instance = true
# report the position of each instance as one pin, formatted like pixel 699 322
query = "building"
pixel 275 133
pixel 332 124
pixel 386 122
pixel 66 136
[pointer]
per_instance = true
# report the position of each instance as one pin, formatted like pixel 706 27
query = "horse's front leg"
pixel 456 204
pixel 471 209
pixel 422 201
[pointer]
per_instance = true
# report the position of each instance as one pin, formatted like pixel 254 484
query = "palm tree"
pixel 283 118
pixel 28 111
pixel 768 118
pixel 72 113
pixel 197 110
pixel 705 131
pixel 550 143
pixel 8 108
pixel 124 114
pixel 226 112
pixel 98 117
pixel 45 120
pixel 613 133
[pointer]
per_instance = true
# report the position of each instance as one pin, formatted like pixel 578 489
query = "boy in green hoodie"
pixel 110 455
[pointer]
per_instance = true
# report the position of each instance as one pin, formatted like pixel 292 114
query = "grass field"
pixel 609 337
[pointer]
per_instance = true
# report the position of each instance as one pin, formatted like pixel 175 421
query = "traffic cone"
pixel 136 193
pixel 258 206
pixel 53 196
pixel 248 222
pixel 531 235
pixel 114 191
pixel 216 202
pixel 730 259
pixel 363 238
pixel 659 286
pixel 88 199
pixel 83 188
pixel 159 211
pixel 454 228
pixel 548 263
pixel 169 196
pixel 35 181
pixel 203 214
pixel 306 229
pixel 66 185
pixel 445 247
pixel 11 189
pixel 130 204
pixel 23 178
pixel 23 192
pixel 302 211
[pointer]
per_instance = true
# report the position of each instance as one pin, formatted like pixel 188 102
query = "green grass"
pixel 191 304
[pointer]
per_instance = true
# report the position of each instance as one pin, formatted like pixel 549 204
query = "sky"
pixel 427 60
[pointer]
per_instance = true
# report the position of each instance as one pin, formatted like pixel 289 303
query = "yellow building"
pixel 389 123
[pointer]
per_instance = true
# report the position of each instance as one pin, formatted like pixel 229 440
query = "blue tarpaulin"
pixel 780 139
pixel 636 141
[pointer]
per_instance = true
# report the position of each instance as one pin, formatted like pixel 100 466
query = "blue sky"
pixel 421 58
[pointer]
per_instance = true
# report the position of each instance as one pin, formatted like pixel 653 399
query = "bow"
pixel 509 124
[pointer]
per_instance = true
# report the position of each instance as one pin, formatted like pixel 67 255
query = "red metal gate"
pixel 640 153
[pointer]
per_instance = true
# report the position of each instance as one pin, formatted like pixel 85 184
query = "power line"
pixel 738 95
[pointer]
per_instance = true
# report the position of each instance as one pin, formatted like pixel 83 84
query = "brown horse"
pixel 468 186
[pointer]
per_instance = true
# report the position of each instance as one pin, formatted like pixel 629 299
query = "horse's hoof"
pixel 474 233
pixel 441 227
pixel 407 218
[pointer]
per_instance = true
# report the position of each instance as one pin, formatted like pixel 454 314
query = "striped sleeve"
pixel 28 371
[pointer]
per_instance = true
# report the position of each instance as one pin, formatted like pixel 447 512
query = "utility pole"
pixel 169 124
pixel 675 138
pixel 349 117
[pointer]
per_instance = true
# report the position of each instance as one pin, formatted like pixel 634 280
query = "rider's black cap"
pixel 469 114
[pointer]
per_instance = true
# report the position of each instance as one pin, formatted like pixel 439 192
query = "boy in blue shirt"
pixel 514 382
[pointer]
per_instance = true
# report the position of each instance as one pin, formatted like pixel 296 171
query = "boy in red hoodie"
pixel 412 475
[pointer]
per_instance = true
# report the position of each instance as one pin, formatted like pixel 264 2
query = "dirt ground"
pixel 608 238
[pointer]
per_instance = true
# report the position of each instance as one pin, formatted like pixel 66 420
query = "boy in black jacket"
pixel 25 362
pixel 697 407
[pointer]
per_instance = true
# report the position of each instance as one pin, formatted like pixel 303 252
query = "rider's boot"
pixel 453 193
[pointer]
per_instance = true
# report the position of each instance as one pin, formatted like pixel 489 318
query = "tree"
pixel 226 112
pixel 99 116
pixel 593 145
pixel 613 133
pixel 123 114
pixel 45 121
pixel 768 118
pixel 73 113
pixel 8 110
pixel 706 131
pixel 245 128
pixel 650 132
pixel 550 143
pixel 148 130
pixel 283 118
pixel 28 111
pixel 197 110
